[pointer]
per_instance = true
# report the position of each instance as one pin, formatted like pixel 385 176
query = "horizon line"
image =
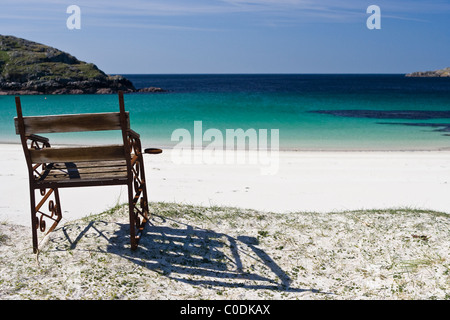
pixel 270 73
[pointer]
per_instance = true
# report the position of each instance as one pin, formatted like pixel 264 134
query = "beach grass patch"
pixel 191 252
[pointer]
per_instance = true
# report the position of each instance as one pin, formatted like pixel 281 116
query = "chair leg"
pixel 55 214
pixel 144 199
pixel 133 240
pixel 138 203
pixel 34 221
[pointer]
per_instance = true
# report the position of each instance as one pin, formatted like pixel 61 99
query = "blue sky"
pixel 240 36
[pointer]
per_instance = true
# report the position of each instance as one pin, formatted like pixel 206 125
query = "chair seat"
pixel 70 174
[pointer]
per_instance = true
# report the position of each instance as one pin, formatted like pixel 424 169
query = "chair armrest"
pixel 38 138
pixel 133 134
pixel 35 138
pixel 152 151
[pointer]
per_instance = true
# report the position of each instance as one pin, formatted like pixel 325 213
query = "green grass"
pixel 340 255
pixel 4 57
pixel 52 70
pixel 21 59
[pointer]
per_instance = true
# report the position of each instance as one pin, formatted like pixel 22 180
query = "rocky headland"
pixel 27 67
pixel 428 74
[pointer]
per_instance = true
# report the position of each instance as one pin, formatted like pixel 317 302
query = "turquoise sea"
pixel 311 112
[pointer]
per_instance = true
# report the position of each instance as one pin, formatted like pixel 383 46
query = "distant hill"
pixel 437 73
pixel 27 67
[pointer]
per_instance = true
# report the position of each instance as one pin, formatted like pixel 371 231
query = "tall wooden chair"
pixel 50 169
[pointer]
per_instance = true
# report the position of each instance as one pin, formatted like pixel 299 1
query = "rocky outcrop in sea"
pixel 27 67
pixel 428 74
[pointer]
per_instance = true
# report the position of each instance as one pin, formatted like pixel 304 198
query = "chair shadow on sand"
pixel 193 255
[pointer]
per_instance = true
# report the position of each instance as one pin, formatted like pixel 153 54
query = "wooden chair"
pixel 50 169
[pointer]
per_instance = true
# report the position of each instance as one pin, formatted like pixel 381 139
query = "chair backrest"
pixel 70 122
pixel 27 127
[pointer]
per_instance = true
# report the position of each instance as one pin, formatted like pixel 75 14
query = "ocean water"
pixel 311 112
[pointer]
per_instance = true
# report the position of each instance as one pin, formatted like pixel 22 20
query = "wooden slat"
pixel 72 123
pixel 71 174
pixel 88 176
pixel 81 171
pixel 70 183
pixel 97 165
pixel 76 154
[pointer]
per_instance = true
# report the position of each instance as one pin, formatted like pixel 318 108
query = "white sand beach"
pixel 305 181
pixel 213 251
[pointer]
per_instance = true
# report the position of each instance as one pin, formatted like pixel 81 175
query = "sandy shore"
pixel 213 251
pixel 207 253
pixel 304 181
